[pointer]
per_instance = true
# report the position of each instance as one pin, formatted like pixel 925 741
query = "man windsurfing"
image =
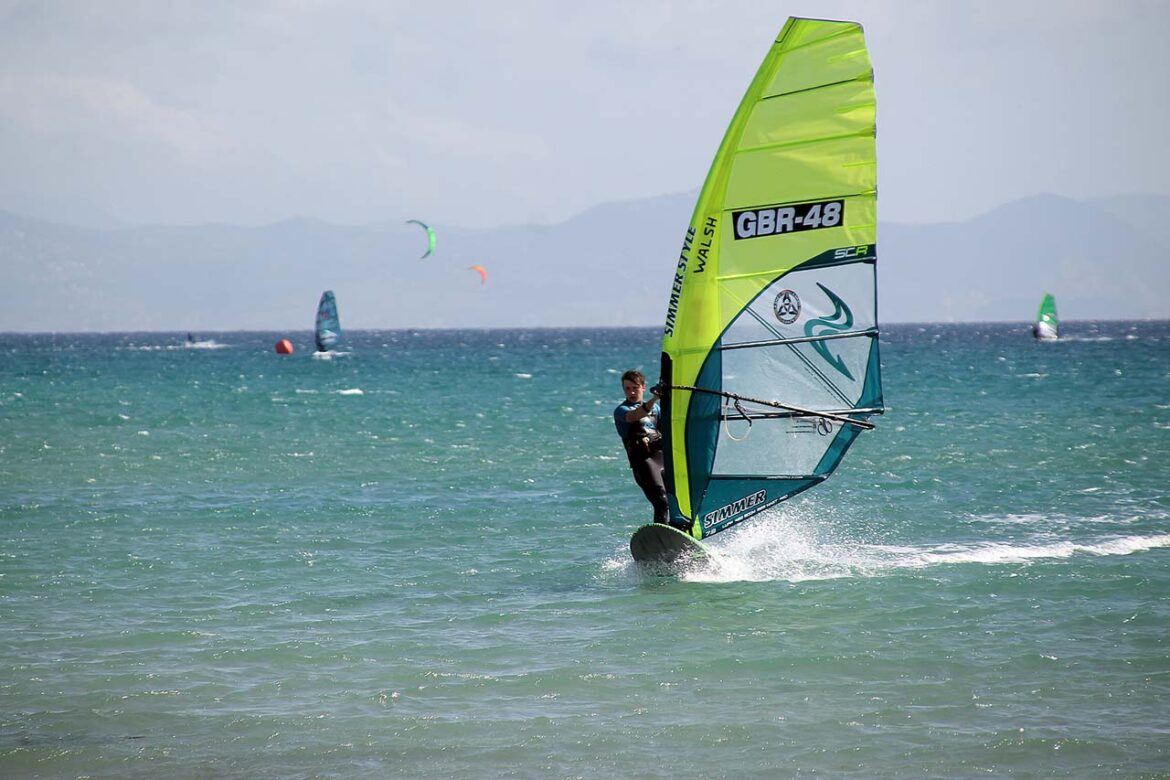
pixel 636 421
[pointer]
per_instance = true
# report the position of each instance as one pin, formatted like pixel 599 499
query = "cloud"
pixel 353 111
pixel 58 105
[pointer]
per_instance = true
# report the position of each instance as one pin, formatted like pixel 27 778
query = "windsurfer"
pixel 637 423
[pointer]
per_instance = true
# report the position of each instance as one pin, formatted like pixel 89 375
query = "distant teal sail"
pixel 328 326
pixel 430 236
pixel 1047 326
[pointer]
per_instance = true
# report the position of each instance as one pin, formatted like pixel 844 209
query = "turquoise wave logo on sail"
pixel 839 321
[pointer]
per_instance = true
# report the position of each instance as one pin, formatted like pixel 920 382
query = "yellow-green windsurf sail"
pixel 770 352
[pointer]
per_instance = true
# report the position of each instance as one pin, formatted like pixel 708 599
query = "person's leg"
pixel 648 475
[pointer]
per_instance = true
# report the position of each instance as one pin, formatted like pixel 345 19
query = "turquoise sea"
pixel 410 561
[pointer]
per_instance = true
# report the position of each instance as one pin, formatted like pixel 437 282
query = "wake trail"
pixel 784 550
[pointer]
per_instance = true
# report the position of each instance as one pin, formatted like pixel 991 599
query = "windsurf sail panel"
pixel 1046 326
pixel 328 326
pixel 770 365
pixel 430 236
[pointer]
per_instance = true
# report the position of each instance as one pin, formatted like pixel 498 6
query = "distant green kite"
pixel 430 237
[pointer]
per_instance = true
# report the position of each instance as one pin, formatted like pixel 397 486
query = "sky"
pixel 486 114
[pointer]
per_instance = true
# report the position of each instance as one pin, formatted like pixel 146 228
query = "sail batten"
pixel 775 291
pixel 794 144
pixel 864 77
pixel 826 337
pixel 771 272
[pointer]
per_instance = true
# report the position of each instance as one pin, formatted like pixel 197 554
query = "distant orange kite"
pixel 481 271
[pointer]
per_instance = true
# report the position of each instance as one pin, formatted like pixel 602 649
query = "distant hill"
pixel 998 265
pixel 610 265
pixel 1145 213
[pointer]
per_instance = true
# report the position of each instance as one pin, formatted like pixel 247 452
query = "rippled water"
pixel 410 560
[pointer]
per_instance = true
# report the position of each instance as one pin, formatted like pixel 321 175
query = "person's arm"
pixel 642 410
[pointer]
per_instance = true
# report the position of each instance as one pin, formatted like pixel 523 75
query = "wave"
pixel 171 347
pixel 787 550
pixel 1008 553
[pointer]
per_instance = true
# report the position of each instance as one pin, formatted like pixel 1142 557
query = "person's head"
pixel 633 385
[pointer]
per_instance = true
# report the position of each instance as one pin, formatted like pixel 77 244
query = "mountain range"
pixel 612 265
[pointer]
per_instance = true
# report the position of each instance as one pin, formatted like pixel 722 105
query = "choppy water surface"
pixel 410 560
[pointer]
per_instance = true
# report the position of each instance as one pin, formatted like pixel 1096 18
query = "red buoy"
pixel 284 347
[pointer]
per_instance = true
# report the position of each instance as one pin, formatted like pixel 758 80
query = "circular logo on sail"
pixel 787 306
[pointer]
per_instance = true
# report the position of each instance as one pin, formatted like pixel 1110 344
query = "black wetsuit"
pixel 643 444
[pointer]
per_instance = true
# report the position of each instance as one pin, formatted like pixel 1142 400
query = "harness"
pixel 642 442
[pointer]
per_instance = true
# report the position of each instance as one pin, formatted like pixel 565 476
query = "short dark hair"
pixel 635 376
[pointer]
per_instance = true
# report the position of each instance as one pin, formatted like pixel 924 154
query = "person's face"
pixel 633 391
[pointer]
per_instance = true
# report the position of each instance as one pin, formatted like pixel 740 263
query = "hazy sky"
pixel 481 114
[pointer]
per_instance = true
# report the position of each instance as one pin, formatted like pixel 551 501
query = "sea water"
pixel 409 559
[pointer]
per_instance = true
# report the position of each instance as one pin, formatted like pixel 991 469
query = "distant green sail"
pixel 770 353
pixel 1047 326
pixel 328 331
